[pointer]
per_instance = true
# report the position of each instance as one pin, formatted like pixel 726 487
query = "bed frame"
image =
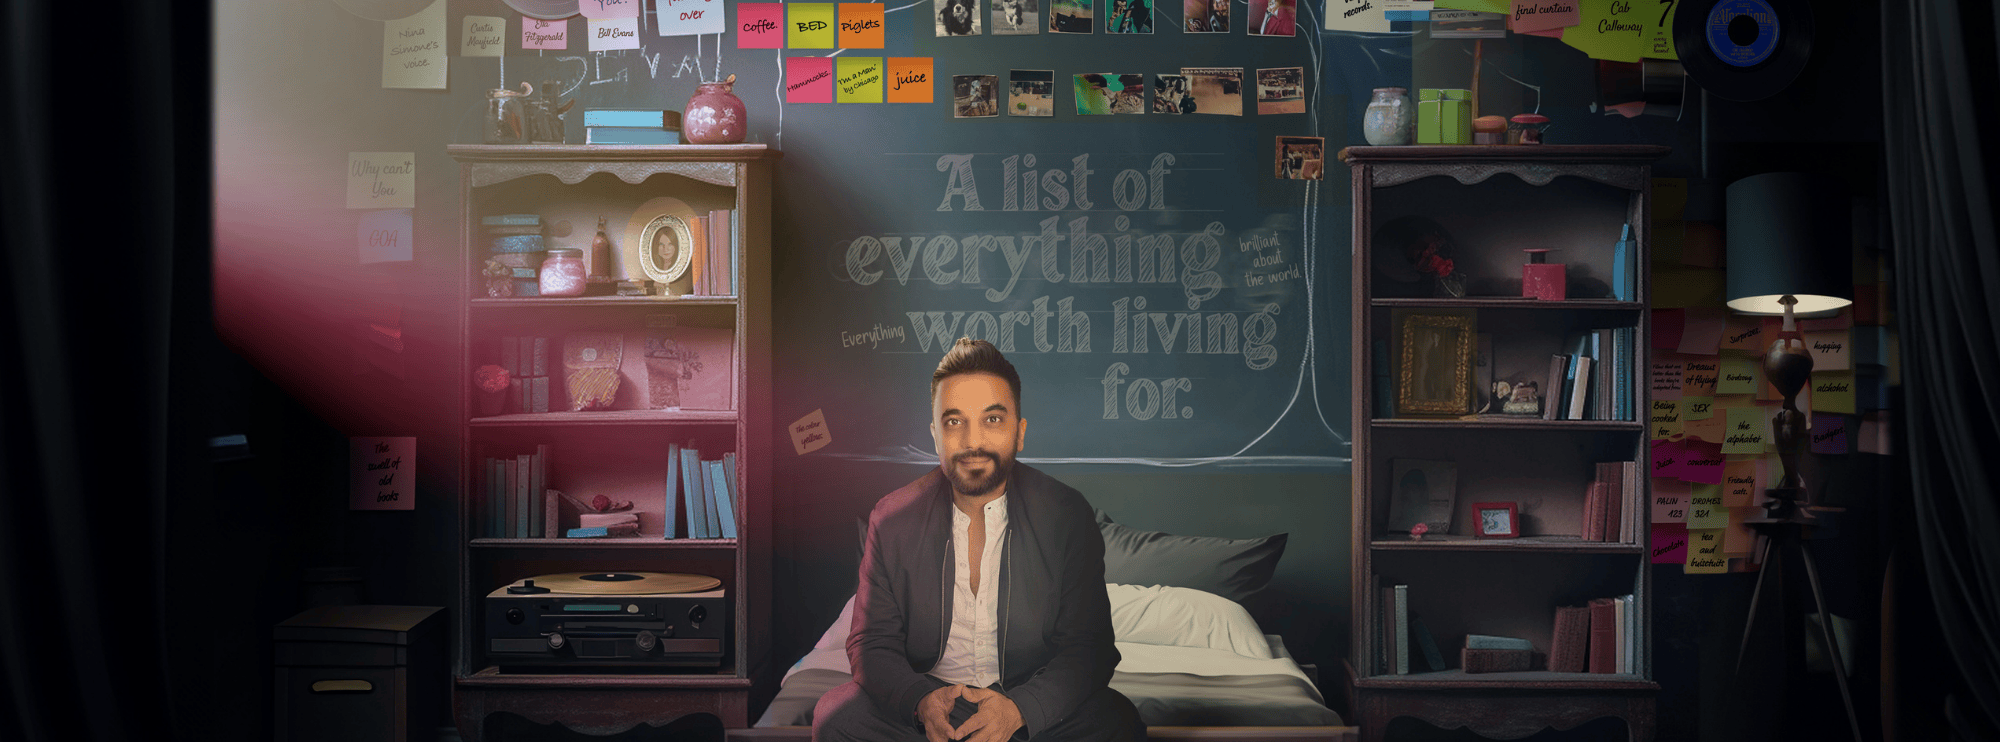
pixel 1158 734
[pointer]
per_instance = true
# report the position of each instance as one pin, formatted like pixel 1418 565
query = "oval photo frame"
pixel 671 268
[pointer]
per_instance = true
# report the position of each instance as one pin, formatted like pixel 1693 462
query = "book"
pixel 497 518
pixel 673 487
pixel 551 514
pixel 1579 387
pixel 1629 479
pixel 725 510
pixel 512 492
pixel 1485 641
pixel 606 520
pixel 523 472
pixel 603 531
pixel 1602 655
pixel 1552 396
pixel 1621 604
pixel 1593 512
pixel 649 118
pixel 629 135
pixel 1474 661
pixel 1426 644
pixel 1570 639
pixel 1612 475
pixel 722 276
pixel 537 490
pixel 1600 377
pixel 696 505
pixel 1399 627
pixel 510 355
pixel 1621 265
pixel 538 357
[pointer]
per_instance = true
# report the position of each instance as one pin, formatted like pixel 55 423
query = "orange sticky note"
pixel 1739 482
pixel 861 26
pixel 910 80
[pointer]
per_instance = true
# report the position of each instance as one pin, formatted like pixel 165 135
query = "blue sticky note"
pixel 385 236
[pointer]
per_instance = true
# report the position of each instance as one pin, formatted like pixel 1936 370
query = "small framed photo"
pixel 1497 519
pixel 1435 374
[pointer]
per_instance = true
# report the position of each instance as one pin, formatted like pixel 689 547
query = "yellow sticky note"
pixel 1708 428
pixel 1666 418
pixel 482 36
pixel 1622 31
pixel 1666 378
pixel 1503 7
pixel 1743 332
pixel 413 51
pixel 1739 376
pixel 1705 508
pixel 857 79
pixel 1705 555
pixel 810 25
pixel 1737 538
pixel 1699 376
pixel 1833 391
pixel 860 25
pixel 910 80
pixel 1697 408
pixel 381 180
pixel 1739 482
pixel 1743 430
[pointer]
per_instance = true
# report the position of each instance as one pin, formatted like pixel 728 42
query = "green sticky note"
pixel 858 79
pixel 1503 7
pixel 1833 391
pixel 1739 376
pixel 1743 430
pixel 811 26
pixel 1665 419
pixel 1698 408
pixel 1705 508
pixel 1622 31
pixel 1705 555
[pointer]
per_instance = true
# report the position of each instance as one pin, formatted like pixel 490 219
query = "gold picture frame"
pixel 638 260
pixel 672 233
pixel 1435 375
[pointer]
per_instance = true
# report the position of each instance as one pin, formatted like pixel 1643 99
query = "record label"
pixel 1744 50
pixel 626 583
pixel 1742 33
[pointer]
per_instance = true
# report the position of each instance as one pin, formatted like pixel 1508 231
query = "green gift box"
pixel 1455 116
pixel 1429 107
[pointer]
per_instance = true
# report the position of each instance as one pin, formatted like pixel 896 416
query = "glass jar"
pixel 1389 119
pixel 506 120
pixel 562 272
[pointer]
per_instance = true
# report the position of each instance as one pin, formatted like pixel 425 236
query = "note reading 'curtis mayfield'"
pixel 760 26
pixel 910 80
pixel 810 25
pixel 482 36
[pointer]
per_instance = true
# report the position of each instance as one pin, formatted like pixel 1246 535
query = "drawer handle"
pixel 342 686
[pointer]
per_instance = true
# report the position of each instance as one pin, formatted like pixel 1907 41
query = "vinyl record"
pixel 626 583
pixel 1744 50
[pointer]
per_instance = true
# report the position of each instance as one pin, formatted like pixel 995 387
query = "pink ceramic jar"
pixel 714 115
pixel 562 272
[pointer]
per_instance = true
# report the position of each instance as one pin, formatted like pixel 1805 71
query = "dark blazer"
pixel 1055 618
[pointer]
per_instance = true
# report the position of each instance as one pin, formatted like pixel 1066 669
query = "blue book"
pixel 697 523
pixel 1621 265
pixel 629 135
pixel 673 485
pixel 629 117
pixel 725 510
pixel 593 532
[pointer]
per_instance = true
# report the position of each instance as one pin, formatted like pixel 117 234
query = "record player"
pixel 608 619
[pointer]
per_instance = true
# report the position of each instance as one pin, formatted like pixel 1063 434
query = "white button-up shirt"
pixel 972 650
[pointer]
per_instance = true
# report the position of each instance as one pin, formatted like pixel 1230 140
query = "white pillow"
pixel 836 635
pixel 1184 617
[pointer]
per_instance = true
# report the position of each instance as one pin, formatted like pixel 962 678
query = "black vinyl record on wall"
pixel 1744 50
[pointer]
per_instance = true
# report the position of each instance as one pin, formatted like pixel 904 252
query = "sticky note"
pixel 1833 391
pixel 381 180
pixel 688 17
pixel 1743 430
pixel 1699 376
pixel 1739 376
pixel 1670 543
pixel 1667 459
pixel 384 236
pixel 482 36
pixel 1702 333
pixel 1830 350
pixel 1696 408
pixel 809 79
pixel 1705 508
pixel 1665 419
pixel 548 35
pixel 1706 429
pixel 1359 16
pixel 413 53
pixel 810 25
pixel 1542 15
pixel 1667 326
pixel 910 80
pixel 760 25
pixel 858 79
pixel 1829 433
pixel 810 433
pixel 1622 32
pixel 607 34
pixel 1483 6
pixel 1667 375
pixel 1701 462
pixel 861 25
pixel 1739 482
pixel 1737 538
pixel 1705 552
pixel 609 8
pixel 382 472
pixel 1670 497
pixel 1744 332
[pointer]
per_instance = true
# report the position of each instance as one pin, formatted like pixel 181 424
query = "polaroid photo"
pixel 1093 93
pixel 1129 16
pixel 1170 95
pixel 1031 93
pixel 1216 90
pixel 1272 17
pixel 1281 90
pixel 973 96
pixel 1205 16
pixel 1016 17
pixel 1070 16
pixel 1301 158
pixel 957 17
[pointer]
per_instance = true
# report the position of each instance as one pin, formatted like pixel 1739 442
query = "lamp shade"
pixel 1789 234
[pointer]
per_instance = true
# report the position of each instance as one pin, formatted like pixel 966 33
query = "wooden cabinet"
pixel 1422 368
pixel 621 452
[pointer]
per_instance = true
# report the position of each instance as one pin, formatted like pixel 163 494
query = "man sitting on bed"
pixel 981 592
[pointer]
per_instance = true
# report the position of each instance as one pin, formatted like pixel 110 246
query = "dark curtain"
pixel 1941 87
pixel 104 207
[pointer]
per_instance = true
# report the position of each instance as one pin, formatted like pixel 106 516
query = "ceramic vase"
pixel 715 115
pixel 1389 119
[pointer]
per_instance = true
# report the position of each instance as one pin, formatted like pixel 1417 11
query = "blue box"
pixel 634 117
pixel 518 243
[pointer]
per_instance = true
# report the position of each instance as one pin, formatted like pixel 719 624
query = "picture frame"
pixel 1434 376
pixel 1421 491
pixel 1496 519
pixel 666 248
pixel 659 219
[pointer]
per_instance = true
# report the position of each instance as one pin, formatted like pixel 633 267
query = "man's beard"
pixel 983 485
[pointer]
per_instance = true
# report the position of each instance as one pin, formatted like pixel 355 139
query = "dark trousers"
pixel 847 714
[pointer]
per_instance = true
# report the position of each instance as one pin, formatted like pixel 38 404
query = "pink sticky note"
pixel 1670 543
pixel 1702 332
pixel 1542 15
pixel 809 79
pixel 1701 462
pixel 540 34
pixel 1667 324
pixel 760 26
pixel 1668 456
pixel 1670 500
pixel 608 8
pixel 1829 432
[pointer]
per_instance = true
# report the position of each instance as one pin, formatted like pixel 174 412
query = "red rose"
pixel 491 378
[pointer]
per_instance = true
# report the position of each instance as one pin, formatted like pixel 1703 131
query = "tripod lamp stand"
pixel 1790 254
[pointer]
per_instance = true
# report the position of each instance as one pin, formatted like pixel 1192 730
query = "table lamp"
pixel 1790 254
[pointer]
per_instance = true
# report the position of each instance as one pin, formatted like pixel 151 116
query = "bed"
pixel 1193 661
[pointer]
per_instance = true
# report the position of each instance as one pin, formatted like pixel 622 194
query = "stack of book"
pixel 713 268
pixel 704 490
pixel 1404 631
pixel 1596 637
pixel 630 126
pixel 527 362
pixel 1594 381
pixel 1604 501
pixel 1483 653
pixel 513 496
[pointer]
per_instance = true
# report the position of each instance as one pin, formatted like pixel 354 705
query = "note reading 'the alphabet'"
pixel 1743 430
pixel 760 26
pixel 381 180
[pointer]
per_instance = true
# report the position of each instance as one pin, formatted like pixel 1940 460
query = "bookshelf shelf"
pixel 611 417
pixel 646 542
pixel 650 302
pixel 493 677
pixel 1581 480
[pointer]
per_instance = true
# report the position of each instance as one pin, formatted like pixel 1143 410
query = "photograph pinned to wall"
pixel 958 17
pixel 1031 93
pixel 1468 24
pixel 1216 90
pixel 1281 90
pixel 1301 158
pixel 1093 93
pixel 1017 17
pixel 1170 95
pixel 1071 16
pixel 1272 17
pixel 1422 491
pixel 1128 94
pixel 1205 16
pixel 1129 16
pixel 972 96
